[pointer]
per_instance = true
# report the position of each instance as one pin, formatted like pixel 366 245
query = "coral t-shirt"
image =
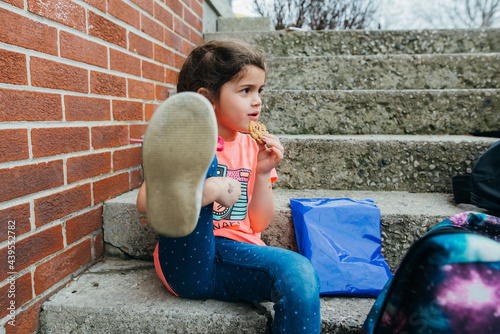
pixel 238 161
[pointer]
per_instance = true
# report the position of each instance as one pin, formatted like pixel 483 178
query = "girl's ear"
pixel 205 93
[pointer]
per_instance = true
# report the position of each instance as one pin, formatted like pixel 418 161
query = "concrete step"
pixel 360 42
pixel 381 111
pixel 412 163
pixel 124 297
pixel 382 72
pixel 404 216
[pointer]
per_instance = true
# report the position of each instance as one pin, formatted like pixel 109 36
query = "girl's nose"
pixel 257 101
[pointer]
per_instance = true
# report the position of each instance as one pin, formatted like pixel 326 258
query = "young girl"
pixel 214 250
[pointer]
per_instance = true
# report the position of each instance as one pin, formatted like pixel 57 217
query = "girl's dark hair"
pixel 213 64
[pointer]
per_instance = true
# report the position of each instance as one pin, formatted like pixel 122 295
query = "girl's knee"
pixel 299 277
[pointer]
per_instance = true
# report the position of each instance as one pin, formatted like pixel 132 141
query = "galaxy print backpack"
pixel 448 282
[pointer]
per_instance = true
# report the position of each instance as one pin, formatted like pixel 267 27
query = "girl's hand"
pixel 270 154
pixel 223 190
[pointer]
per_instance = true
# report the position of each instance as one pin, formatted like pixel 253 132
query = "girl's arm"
pixel 224 190
pixel 261 208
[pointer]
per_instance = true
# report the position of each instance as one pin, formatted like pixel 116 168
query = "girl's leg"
pixel 187 263
pixel 179 154
pixel 262 273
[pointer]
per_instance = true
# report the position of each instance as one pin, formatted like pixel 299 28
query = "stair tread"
pixel 119 296
pixel 390 202
pixel 361 42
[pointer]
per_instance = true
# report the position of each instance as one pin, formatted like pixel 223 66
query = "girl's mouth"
pixel 254 116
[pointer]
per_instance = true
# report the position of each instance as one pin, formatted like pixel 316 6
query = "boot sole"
pixel 179 146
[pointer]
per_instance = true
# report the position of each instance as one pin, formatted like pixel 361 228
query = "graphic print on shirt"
pixel 239 210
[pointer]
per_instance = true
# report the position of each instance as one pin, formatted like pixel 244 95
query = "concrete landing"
pixel 126 296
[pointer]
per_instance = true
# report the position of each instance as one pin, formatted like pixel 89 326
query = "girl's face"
pixel 239 103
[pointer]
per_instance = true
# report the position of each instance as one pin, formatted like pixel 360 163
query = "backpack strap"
pixel 462 188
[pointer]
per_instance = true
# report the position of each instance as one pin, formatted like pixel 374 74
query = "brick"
pixel 83 225
pixel 17 3
pixel 127 158
pixel 51 74
pixel 53 141
pixel 149 110
pixel 164 16
pixel 127 110
pixel 98 241
pixel 171 76
pixel 179 60
pixel 193 21
pixel 52 207
pixel 181 28
pixel 63 11
pixel 125 13
pixel 99 4
pixel 109 136
pixel 175 5
pixel 82 108
pixel 13 68
pixel 20 291
pixel 147 5
pixel 173 40
pixel 151 28
pixel 14 145
pixel 27 33
pixel 106 30
pixel 107 84
pixel 197 8
pixel 196 37
pixel 32 249
pixel 24 180
pixel 88 166
pixel 82 50
pixel 187 2
pixel 137 131
pixel 111 187
pixel 187 47
pixel 16 105
pixel 164 55
pixel 161 92
pixel 15 219
pixel 141 90
pixel 125 63
pixel 153 71
pixel 140 45
pixel 27 320
pixel 56 269
pixel 136 178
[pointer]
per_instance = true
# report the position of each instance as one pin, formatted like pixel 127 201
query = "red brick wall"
pixel 78 78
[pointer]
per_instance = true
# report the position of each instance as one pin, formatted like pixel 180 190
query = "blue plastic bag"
pixel 342 239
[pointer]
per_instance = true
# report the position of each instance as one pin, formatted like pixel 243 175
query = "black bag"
pixel 482 186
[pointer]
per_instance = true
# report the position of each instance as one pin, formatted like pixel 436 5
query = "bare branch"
pixel 318 14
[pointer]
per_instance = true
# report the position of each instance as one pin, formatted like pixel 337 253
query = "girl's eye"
pixel 245 90
pixel 260 90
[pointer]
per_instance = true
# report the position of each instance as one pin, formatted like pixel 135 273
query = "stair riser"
pixel 381 163
pixel 321 43
pixel 385 72
pixel 398 233
pixel 381 112
pixel 404 218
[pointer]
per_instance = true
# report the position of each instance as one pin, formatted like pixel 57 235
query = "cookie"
pixel 257 130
